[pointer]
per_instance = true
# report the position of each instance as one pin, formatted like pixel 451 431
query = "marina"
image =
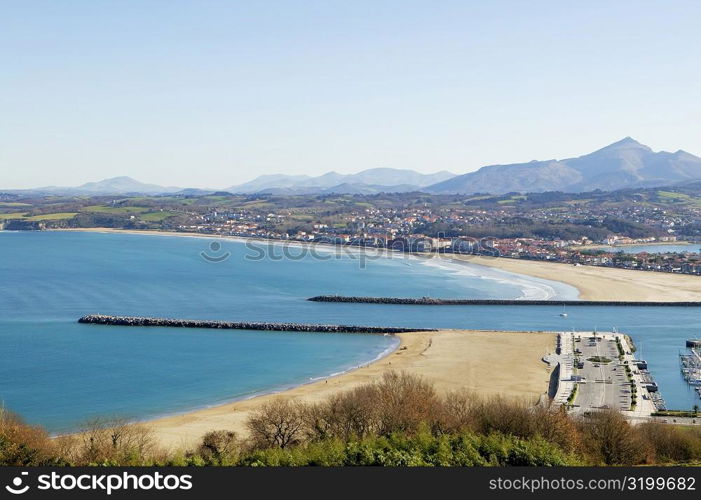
pixel 691 365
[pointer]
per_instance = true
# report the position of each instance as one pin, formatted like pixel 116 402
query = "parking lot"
pixel 604 383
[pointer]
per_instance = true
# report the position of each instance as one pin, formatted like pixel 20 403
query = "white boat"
pixel 563 314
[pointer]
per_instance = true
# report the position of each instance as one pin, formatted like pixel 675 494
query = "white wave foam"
pixel 531 288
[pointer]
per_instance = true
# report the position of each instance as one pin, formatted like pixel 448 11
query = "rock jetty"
pixel 430 301
pixel 101 319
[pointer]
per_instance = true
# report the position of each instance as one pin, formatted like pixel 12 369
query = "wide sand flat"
pixel 484 362
pixel 602 283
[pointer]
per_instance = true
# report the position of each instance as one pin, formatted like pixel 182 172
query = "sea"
pixel 666 248
pixel 61 374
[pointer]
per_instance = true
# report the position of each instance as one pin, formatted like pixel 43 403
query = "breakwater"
pixel 101 319
pixel 430 301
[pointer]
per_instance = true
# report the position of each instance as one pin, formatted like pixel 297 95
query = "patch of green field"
pixel 57 216
pixel 216 198
pixel 301 217
pixel 672 196
pixel 667 197
pixel 156 216
pixel 481 197
pixel 257 204
pixel 115 210
pixel 8 204
pixel 15 215
pixel 163 200
pixel 515 198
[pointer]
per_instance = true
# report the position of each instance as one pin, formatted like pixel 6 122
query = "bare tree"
pixel 404 403
pixel 277 424
pixel 114 440
pixel 455 412
pixel 344 416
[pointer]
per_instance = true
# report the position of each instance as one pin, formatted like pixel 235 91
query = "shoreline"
pixel 458 358
pixel 592 282
pixel 185 429
pixel 453 360
pixel 527 284
pixel 603 283
pixel 273 392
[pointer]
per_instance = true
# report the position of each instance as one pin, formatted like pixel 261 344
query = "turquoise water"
pixel 693 248
pixel 59 373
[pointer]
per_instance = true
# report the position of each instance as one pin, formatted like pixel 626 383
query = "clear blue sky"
pixel 210 94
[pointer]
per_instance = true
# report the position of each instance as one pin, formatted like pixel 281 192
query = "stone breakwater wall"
pixel 100 319
pixel 430 301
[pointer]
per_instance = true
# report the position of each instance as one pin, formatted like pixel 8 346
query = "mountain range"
pixel 374 180
pixel 623 164
pixel 115 185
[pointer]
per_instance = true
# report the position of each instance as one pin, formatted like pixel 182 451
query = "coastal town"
pixel 403 230
pixel 586 229
pixel 452 230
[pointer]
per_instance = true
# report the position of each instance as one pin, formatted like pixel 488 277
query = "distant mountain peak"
pixel 124 178
pixel 121 185
pixel 626 143
pixel 624 164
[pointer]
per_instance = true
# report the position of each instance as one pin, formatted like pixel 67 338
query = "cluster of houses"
pixel 396 230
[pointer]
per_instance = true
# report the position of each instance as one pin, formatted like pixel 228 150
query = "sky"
pixel 214 93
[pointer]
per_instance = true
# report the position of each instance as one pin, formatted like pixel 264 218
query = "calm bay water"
pixel 693 248
pixel 59 373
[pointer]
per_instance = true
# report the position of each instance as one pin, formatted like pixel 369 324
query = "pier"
pixel 101 319
pixel 430 301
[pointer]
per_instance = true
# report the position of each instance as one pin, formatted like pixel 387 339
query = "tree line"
pixel 400 420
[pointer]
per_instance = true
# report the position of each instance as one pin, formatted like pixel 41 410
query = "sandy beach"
pixel 602 283
pixel 452 359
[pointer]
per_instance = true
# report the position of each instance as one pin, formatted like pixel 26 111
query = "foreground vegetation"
pixel 398 421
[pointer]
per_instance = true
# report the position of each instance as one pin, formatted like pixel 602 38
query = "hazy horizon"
pixel 256 176
pixel 213 94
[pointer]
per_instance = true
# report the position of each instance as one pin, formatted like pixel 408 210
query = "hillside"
pixel 623 164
